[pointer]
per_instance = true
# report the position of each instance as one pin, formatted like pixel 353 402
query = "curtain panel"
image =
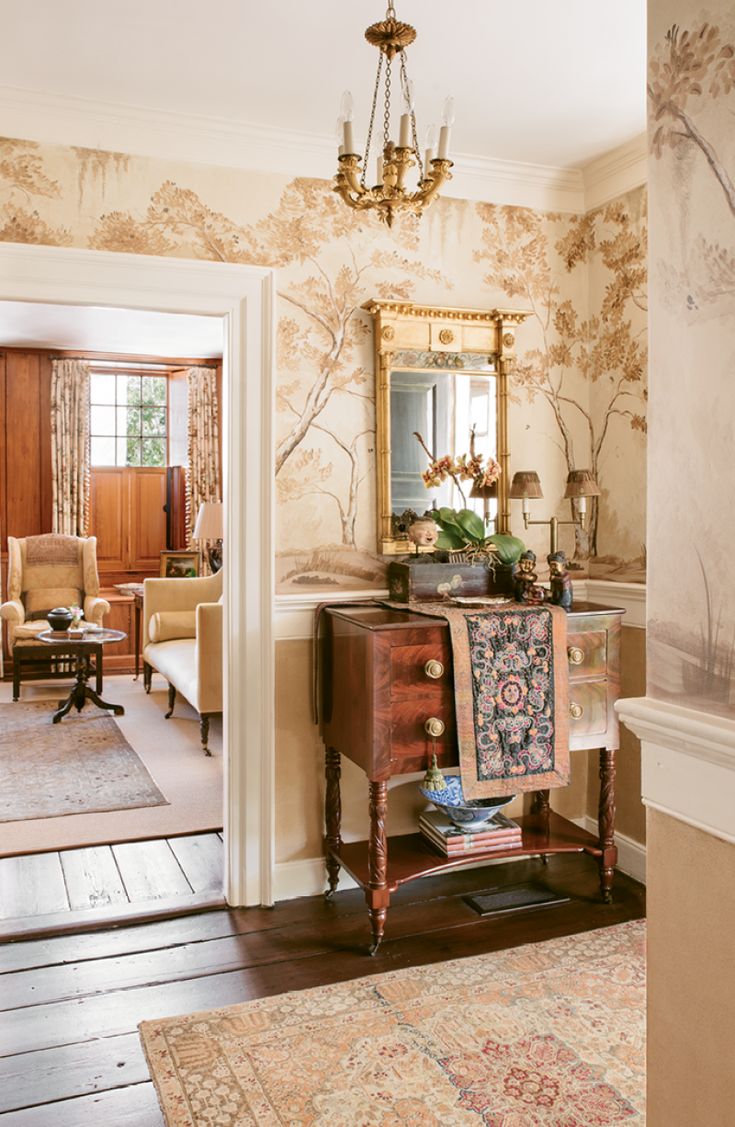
pixel 70 482
pixel 202 473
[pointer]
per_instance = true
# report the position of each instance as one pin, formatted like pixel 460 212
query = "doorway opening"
pixel 238 300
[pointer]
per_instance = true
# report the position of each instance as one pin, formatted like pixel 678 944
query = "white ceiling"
pixel 534 81
pixel 130 332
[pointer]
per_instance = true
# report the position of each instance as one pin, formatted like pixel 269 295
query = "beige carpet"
pixel 82 765
pixel 170 751
pixel 539 1036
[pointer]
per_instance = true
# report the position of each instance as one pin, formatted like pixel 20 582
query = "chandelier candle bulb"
pixel 404 138
pixel 380 171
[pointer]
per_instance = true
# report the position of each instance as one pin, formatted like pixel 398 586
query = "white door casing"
pixel 244 297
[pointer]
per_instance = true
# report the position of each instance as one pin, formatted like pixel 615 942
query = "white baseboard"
pixel 631 854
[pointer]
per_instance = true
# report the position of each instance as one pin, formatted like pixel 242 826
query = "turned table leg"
pixel 541 806
pixel 606 823
pixel 332 817
pixel 377 894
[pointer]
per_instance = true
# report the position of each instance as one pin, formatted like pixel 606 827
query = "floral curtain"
pixel 70 446
pixel 202 473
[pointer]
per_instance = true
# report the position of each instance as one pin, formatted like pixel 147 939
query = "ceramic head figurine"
pixel 424 533
pixel 560 582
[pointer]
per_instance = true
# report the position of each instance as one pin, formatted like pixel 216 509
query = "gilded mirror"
pixel 442 375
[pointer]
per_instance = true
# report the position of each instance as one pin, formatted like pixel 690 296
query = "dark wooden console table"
pixel 385 673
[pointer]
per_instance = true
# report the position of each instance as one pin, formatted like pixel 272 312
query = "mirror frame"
pixel 442 334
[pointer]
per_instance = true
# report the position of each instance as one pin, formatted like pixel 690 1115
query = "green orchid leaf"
pixel 450 541
pixel 509 548
pixel 472 525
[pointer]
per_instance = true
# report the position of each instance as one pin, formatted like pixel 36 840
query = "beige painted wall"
pixel 631 814
pixel 691 986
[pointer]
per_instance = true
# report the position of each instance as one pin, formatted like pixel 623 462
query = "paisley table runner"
pixel 511 696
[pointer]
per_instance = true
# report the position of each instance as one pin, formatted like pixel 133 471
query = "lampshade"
pixel 580 483
pixel 209 521
pixel 525 483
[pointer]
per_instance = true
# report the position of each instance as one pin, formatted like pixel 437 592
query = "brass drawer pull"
pixel 575 655
pixel 576 711
pixel 434 727
pixel 434 670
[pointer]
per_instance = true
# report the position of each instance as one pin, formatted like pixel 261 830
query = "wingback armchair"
pixel 50 571
pixel 182 640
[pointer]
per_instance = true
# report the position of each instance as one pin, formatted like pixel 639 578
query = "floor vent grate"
pixel 517 898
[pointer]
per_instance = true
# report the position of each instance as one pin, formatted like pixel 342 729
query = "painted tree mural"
pixel 603 348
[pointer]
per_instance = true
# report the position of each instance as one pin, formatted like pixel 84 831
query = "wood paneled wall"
pixel 25 444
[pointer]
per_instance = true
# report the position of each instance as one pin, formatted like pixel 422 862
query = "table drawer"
pixel 587 708
pixel 411 745
pixel 418 671
pixel 587 654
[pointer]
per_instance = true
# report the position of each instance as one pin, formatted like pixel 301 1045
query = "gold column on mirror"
pixel 526 486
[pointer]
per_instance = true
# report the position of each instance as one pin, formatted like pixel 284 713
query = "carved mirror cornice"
pixel 446 367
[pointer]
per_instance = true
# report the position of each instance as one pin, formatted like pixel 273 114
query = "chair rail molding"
pixel 243 296
pixel 687 763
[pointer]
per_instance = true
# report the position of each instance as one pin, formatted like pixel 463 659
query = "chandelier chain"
pixel 386 111
pixel 404 84
pixel 373 108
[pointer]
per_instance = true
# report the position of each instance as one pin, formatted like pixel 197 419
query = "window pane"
pixel 102 451
pixel 121 444
pixel 101 388
pixel 133 452
pixel 154 452
pixel 131 392
pixel 130 422
pixel 102 420
pixel 154 389
pixel 154 420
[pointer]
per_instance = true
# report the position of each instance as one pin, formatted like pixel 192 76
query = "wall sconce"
pixel 526 486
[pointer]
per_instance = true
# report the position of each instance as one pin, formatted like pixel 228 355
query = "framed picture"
pixel 179 565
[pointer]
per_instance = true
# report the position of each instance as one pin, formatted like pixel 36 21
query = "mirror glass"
pixel 443 407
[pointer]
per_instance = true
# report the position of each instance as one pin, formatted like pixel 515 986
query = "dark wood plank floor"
pixel 69 1050
pixel 101 884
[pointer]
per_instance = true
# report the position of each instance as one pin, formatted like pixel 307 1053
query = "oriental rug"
pixel 546 1034
pixel 82 765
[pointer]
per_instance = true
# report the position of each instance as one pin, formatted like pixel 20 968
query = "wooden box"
pixel 417 579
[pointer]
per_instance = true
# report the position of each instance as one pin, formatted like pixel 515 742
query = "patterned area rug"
pixel 82 765
pixel 550 1033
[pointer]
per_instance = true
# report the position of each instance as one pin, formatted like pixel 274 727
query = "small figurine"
pixel 525 588
pixel 424 533
pixel 560 581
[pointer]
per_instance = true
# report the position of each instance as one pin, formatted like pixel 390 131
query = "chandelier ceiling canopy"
pixel 389 193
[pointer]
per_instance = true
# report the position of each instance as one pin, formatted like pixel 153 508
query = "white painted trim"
pixel 631 854
pixel 243 296
pixel 294 613
pixel 616 172
pixel 222 142
pixel 687 763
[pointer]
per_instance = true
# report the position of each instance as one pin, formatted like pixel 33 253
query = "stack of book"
pixel 497 835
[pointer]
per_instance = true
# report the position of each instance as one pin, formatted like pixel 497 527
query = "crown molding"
pixel 616 172
pixel 194 138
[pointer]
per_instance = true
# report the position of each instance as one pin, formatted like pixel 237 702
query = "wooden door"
pixel 109 517
pixel 147 536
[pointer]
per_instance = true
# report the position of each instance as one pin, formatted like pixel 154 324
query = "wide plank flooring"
pixel 70 1005
pixel 76 887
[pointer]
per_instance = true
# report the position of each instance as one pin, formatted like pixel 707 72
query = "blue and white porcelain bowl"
pixel 467 813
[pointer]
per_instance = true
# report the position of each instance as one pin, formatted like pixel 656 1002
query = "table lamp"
pixel 208 526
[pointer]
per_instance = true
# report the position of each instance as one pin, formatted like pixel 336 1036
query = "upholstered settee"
pixel 182 640
pixel 50 571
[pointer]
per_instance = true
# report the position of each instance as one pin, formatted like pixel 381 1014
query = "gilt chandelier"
pixel 389 193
